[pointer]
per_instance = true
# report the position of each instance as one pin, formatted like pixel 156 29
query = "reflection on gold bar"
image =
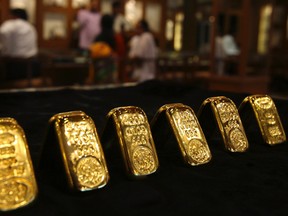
pixel 18 185
pixel 267 117
pixel 188 132
pixel 135 139
pixel 229 122
pixel 81 151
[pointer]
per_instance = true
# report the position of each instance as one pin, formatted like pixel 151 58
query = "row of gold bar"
pixel 81 154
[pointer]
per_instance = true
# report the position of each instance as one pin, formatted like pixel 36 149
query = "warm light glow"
pixel 264 26
pixel 54 26
pixel 153 16
pixel 169 29
pixel 106 7
pixel 28 5
pixel 59 3
pixel 80 3
pixel 17 4
pixel 178 31
pixel 133 11
pixel 199 16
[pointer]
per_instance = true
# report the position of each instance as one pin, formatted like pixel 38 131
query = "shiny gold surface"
pixel 135 139
pixel 267 118
pixel 18 185
pixel 188 132
pixel 81 151
pixel 228 121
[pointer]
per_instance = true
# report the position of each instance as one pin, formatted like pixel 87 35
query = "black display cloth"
pixel 250 183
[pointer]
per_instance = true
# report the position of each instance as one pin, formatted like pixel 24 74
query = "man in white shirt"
pixel 19 49
pixel 18 37
pixel 144 51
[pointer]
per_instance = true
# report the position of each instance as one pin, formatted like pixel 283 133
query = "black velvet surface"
pixel 250 183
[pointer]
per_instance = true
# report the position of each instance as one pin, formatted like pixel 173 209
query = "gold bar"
pixel 81 151
pixel 267 117
pixel 135 140
pixel 228 121
pixel 188 132
pixel 18 185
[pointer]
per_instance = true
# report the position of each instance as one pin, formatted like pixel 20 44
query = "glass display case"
pixel 133 11
pixel 56 3
pixel 28 5
pixel 153 16
pixel 79 3
pixel 54 23
pixel 54 26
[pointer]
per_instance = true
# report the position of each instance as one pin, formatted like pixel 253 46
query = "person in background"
pixel 17 36
pixel 230 46
pixel 103 52
pixel 120 26
pixel 107 34
pixel 143 52
pixel 226 50
pixel 19 49
pixel 219 54
pixel 89 25
pixel 120 23
pixel 231 52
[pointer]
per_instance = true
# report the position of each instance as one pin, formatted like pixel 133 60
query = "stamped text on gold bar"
pixel 228 121
pixel 135 139
pixel 17 180
pixel 81 151
pixel 267 118
pixel 187 130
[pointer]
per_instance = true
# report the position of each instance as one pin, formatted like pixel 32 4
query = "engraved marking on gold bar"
pixel 188 132
pixel 135 139
pixel 81 151
pixel 18 185
pixel 229 122
pixel 267 118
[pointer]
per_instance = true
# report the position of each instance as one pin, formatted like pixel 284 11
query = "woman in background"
pixel 103 52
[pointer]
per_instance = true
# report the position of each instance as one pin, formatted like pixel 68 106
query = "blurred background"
pixel 187 34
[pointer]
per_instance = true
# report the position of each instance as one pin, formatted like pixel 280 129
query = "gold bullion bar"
pixel 135 139
pixel 228 121
pixel 81 151
pixel 188 132
pixel 267 118
pixel 18 185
